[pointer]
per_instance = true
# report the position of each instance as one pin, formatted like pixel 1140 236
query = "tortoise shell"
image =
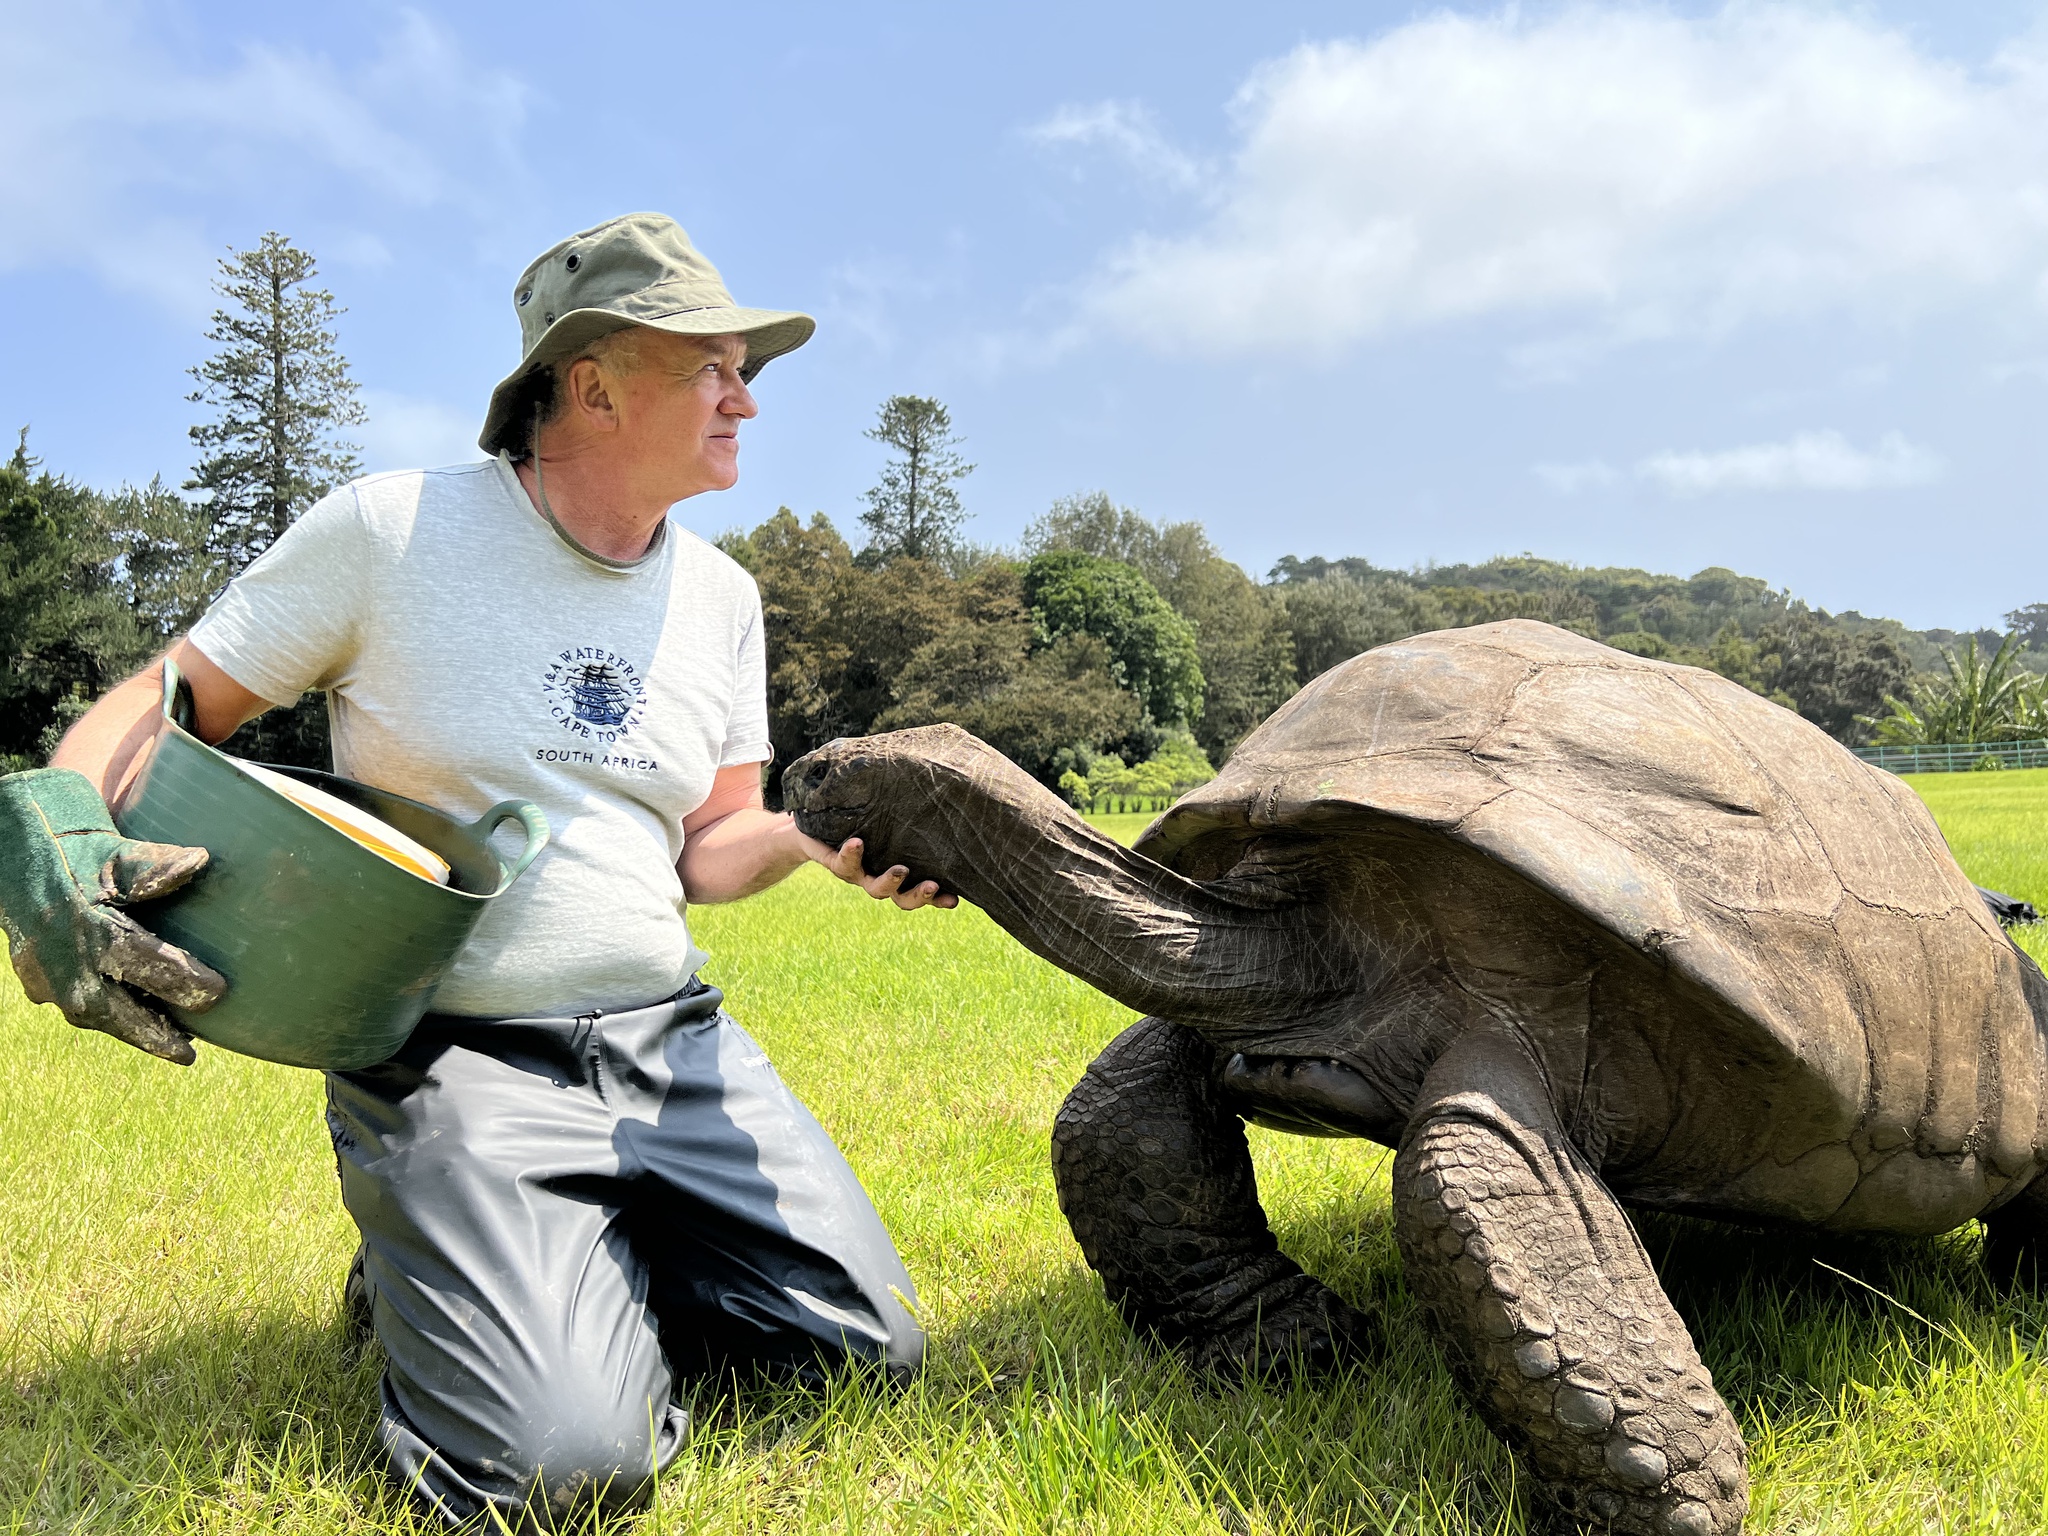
pixel 1801 902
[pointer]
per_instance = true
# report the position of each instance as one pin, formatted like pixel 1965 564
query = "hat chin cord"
pixel 540 488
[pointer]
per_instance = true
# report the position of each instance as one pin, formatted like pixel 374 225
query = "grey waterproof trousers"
pixel 561 1216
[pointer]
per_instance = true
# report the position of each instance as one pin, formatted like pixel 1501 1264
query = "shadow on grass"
pixel 1385 1445
pixel 1041 1411
pixel 1790 1318
pixel 1791 1322
pixel 104 1429
pixel 1051 1414
pixel 1037 1411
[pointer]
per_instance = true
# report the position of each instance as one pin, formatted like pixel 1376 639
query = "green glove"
pixel 63 871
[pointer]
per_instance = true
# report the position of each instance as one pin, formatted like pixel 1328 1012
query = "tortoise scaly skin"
pixel 1569 929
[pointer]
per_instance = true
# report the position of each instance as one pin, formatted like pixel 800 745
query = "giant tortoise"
pixel 1570 929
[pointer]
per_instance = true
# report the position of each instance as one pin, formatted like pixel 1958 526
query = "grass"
pixel 172 1357
pixel 1997 824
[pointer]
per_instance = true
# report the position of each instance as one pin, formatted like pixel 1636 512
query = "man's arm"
pixel 108 738
pixel 734 846
pixel 69 872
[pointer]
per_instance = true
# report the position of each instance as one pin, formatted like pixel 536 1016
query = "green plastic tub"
pixel 331 953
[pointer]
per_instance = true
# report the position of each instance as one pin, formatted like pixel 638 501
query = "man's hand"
pixel 64 872
pixel 844 861
pixel 733 847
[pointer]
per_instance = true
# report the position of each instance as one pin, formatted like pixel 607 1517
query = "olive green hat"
pixel 637 270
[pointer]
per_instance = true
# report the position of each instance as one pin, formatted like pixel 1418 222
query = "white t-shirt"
pixel 470 655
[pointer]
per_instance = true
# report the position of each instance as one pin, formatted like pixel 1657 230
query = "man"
pixel 579 1178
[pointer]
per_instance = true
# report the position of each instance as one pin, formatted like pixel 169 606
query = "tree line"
pixel 94 584
pixel 1106 640
pixel 1115 657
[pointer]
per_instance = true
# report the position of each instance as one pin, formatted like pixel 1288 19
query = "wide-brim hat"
pixel 637 270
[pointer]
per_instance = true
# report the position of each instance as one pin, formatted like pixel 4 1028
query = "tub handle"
pixel 529 816
pixel 177 697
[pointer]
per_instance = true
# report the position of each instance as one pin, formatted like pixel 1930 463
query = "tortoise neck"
pixel 1128 926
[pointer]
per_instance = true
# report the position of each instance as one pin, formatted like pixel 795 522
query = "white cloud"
pixel 1622 170
pixel 1806 461
pixel 403 432
pixel 109 135
pixel 1569 479
pixel 1810 461
pixel 1126 129
pixel 869 293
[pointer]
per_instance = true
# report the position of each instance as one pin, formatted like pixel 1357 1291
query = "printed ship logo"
pixel 594 693
pixel 598 697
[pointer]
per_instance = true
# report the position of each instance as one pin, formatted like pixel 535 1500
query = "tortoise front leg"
pixel 1156 1180
pixel 1534 1282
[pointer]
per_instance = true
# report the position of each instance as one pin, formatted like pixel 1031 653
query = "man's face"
pixel 679 411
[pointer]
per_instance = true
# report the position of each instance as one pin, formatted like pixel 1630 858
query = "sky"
pixel 1759 285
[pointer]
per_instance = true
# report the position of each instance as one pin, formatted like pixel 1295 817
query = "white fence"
pixel 1957 756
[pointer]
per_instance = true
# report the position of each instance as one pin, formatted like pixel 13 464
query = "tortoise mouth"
pixel 816 821
pixel 803 786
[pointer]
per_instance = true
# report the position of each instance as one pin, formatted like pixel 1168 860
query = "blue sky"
pixel 1758 285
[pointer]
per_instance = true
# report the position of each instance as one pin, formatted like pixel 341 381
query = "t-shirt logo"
pixel 594 693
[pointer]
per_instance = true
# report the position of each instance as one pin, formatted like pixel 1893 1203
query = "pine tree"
pixel 281 391
pixel 915 510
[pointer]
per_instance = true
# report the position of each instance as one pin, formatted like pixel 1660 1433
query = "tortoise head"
pixel 829 790
pixel 909 796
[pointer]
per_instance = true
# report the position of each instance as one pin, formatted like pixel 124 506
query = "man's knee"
pixel 898 1354
pixel 540 1467
pixel 578 1459
pixel 880 1332
pixel 903 1356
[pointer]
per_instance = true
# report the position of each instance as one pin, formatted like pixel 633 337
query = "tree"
pixel 1152 649
pixel 1038 708
pixel 1833 678
pixel 67 629
pixel 1831 669
pixel 854 648
pixel 281 390
pixel 831 666
pixel 1289 569
pixel 162 539
pixel 1564 606
pixel 1242 640
pixel 802 571
pixel 2030 624
pixel 1978 701
pixel 281 393
pixel 1244 646
pixel 1177 767
pixel 1338 608
pixel 2030 710
pixel 1333 617
pixel 1686 612
pixel 914 509
pixel 1092 524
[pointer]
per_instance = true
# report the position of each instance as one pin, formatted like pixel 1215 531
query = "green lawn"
pixel 171 1254
pixel 1997 823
